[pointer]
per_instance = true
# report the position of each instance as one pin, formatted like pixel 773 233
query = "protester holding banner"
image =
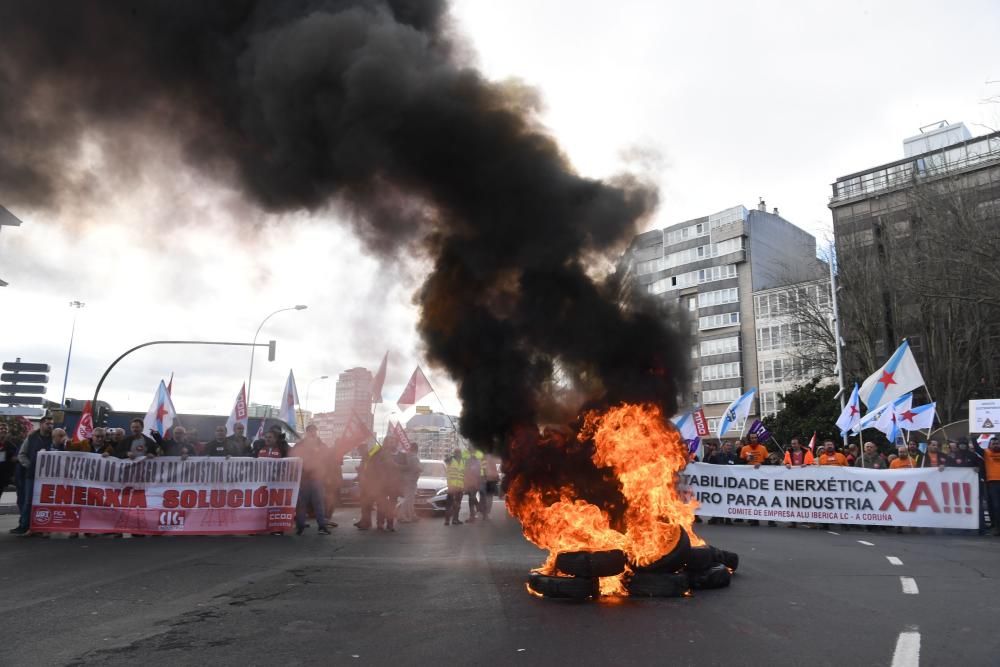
pixel 221 446
pixel 37 441
pixel 871 458
pixel 963 457
pixel 830 456
pixel 797 455
pixel 176 445
pixel 129 446
pixel 903 459
pixel 991 474
pixel 753 453
pixel 726 456
pixel 239 443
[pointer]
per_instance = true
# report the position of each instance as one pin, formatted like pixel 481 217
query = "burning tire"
pixel 658 585
pixel 730 559
pixel 570 588
pixel 702 558
pixel 591 563
pixel 673 561
pixel 717 576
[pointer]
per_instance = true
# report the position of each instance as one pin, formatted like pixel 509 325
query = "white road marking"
pixel 894 560
pixel 907 653
pixel 833 533
pixel 867 544
pixel 909 585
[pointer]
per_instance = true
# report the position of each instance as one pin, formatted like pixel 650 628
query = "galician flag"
pixel 85 427
pixel 689 432
pixel 851 415
pixel 239 412
pixel 920 417
pixel 871 418
pixel 888 422
pixel 898 376
pixel 416 388
pixel 289 399
pixel 260 431
pixel 736 412
pixel 161 413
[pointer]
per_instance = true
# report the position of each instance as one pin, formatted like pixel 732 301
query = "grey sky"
pixel 725 101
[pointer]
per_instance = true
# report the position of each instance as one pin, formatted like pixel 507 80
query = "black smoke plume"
pixel 369 106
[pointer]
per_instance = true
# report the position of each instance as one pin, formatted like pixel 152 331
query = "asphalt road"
pixel 436 595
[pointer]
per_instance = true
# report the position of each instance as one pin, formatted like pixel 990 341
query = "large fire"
pixel 611 486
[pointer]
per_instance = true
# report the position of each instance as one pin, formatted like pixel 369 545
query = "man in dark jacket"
pixel 176 445
pixel 221 446
pixel 37 441
pixel 239 442
pixel 131 442
pixel 726 456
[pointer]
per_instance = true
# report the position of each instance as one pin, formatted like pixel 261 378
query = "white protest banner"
pixel 88 493
pixel 924 497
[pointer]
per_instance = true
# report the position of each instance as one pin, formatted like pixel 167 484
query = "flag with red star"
pixel 161 414
pixel 289 399
pixel 850 416
pixel 899 376
pixel 888 422
pixel 919 417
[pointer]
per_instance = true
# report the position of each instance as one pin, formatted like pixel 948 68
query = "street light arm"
pixel 114 363
pixel 254 348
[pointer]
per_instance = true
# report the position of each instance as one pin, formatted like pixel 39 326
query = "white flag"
pixel 898 376
pixel 737 411
pixel 851 414
pixel 238 415
pixel 289 399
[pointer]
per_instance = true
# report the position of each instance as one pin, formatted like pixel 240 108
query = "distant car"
pixel 350 491
pixel 433 478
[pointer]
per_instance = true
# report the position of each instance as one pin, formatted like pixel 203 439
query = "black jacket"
pixel 28 454
pixel 722 458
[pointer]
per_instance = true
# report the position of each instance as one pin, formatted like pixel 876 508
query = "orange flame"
pixel 645 454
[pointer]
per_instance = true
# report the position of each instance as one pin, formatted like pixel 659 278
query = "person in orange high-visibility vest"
pixel 991 473
pixel 797 455
pixel 830 456
pixel 903 459
pixel 753 453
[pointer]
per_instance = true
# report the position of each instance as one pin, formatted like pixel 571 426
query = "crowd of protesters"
pixel 960 453
pixel 387 474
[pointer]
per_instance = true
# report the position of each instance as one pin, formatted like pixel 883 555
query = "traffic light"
pixel 271 346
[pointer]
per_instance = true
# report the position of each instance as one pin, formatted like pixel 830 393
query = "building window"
pixel 713 424
pixel 777 337
pixel 717 321
pixel 717 297
pixel 720 371
pixel 770 402
pixel 720 346
pixel 711 396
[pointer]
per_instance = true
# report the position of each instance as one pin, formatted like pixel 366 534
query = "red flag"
pixel 379 380
pixel 416 388
pixel 812 442
pixel 170 385
pixel 700 423
pixel 404 441
pixel 26 423
pixel 85 427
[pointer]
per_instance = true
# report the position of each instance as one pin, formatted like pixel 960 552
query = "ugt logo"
pixel 43 516
pixel 172 520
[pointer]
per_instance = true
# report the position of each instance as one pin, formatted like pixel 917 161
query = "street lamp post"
pixel 76 305
pixel 254 344
pixel 309 386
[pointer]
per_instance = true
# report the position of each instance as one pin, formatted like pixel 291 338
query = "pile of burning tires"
pixel 685 568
